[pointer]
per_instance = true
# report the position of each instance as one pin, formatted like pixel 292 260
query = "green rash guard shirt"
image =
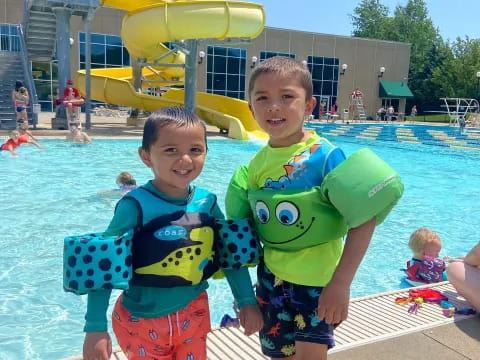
pixel 311 266
pixel 152 302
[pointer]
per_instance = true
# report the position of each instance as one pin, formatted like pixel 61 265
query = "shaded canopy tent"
pixel 394 89
pixel 394 93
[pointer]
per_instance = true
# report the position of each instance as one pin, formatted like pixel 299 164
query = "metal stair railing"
pixel 27 70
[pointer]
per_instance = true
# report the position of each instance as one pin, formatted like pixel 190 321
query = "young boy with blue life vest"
pixel 163 312
pixel 304 196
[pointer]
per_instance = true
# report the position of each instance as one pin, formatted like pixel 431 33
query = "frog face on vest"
pixel 294 219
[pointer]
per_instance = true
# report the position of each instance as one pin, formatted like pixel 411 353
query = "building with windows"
pixel 339 64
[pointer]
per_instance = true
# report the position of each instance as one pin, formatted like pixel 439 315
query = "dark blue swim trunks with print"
pixel 289 315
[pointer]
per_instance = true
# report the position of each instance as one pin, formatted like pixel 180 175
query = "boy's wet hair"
pixel 125 178
pixel 284 67
pixel 172 115
pixel 421 237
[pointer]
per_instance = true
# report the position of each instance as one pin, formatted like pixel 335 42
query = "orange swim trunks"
pixel 178 336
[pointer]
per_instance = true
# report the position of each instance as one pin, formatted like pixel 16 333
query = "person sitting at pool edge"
pixel 464 275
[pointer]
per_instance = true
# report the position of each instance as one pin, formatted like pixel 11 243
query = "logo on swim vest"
pixel 381 185
pixel 170 233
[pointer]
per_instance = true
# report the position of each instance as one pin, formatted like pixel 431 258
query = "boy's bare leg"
pixel 310 351
pixel 466 280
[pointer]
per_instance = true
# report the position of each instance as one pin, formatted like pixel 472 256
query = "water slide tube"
pixel 148 24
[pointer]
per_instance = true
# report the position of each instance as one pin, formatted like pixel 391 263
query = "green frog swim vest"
pixel 360 188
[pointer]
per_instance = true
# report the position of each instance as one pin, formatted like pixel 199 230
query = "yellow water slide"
pixel 147 25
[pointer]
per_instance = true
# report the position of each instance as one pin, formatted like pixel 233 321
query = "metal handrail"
pixel 26 12
pixel 27 70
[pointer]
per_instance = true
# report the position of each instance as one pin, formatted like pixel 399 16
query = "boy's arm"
pixel 334 299
pixel 242 290
pixel 36 144
pixel 239 280
pixel 236 204
pixel 125 218
pixel 236 201
pixel 97 343
pixel 29 133
pixel 87 138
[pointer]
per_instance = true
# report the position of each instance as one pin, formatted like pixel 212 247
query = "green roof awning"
pixel 394 89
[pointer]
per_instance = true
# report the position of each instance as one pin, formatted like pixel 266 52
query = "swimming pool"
pixel 446 136
pixel 47 195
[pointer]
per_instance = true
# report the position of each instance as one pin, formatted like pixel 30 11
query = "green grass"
pixel 439 118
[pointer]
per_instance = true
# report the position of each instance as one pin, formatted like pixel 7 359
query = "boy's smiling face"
pixel 176 158
pixel 279 105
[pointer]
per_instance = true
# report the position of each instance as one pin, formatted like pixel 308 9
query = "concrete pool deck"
pixel 116 127
pixel 106 127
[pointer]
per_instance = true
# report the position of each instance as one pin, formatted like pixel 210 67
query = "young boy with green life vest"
pixel 304 196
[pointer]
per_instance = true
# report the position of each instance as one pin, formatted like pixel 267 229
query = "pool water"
pixel 47 195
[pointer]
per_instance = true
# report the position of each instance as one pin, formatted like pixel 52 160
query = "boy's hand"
pixel 97 346
pixel 251 319
pixel 333 303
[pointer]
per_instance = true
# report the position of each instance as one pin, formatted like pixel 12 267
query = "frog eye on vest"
pixel 287 213
pixel 263 213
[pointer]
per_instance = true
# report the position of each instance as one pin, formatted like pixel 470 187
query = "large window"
pixel 226 71
pixel 9 37
pixel 45 78
pixel 264 55
pixel 106 51
pixel 325 82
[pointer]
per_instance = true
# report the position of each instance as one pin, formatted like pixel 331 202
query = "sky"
pixel 452 18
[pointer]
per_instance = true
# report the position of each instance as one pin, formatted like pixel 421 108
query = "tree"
pixel 456 76
pixel 370 20
pixel 410 24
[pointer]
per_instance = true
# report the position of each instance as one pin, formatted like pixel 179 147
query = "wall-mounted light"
pixel 344 68
pixel 382 70
pixel 254 62
pixel 201 56
pixel 72 41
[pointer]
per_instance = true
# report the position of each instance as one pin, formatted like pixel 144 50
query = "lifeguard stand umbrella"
pixel 394 89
